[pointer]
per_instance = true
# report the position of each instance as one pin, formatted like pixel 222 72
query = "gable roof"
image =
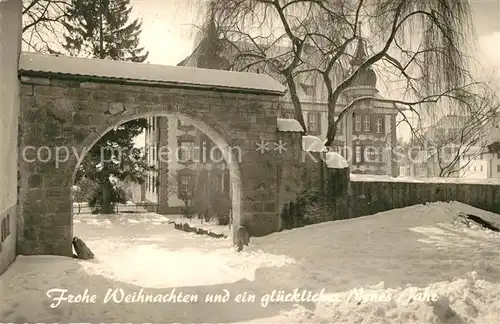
pixel 43 65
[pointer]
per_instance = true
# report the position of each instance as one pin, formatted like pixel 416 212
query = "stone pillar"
pixel 10 48
pixel 259 173
pixel 46 168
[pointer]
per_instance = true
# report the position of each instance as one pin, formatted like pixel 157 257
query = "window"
pixel 227 183
pixel 183 124
pixel 380 125
pixel 308 89
pixel 216 154
pixel 185 151
pixel 481 168
pixel 340 127
pixel 372 154
pixel 475 169
pixel 358 153
pixel 366 123
pixel 498 168
pixel 357 123
pixel 5 226
pixel 154 184
pixel 314 123
pixel 204 149
pixel 217 187
pixel 185 184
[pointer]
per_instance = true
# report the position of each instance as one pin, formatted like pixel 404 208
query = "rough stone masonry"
pixel 74 112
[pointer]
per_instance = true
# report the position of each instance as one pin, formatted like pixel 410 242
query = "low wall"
pixel 372 197
pixel 362 198
pixel 325 194
pixel 10 46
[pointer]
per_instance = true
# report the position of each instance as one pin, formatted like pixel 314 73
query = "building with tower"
pixel 370 130
pixel 366 135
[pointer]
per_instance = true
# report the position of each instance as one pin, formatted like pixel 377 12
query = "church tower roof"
pixel 367 77
pixel 360 55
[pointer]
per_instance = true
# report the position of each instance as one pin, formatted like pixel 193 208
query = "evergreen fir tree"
pixel 114 156
pixel 101 29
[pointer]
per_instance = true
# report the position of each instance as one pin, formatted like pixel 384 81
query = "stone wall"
pixel 360 198
pixel 289 167
pixel 10 46
pixel 341 198
pixel 73 113
pixel 373 197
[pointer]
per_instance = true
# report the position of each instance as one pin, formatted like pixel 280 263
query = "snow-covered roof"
pixel 108 69
pixel 335 161
pixel 494 136
pixel 312 144
pixel 289 125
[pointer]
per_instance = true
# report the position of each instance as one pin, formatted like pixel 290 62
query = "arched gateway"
pixel 67 104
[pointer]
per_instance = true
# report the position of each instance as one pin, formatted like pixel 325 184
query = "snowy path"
pixel 417 245
pixel 134 252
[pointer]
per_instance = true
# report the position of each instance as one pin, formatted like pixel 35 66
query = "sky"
pixel 168 29
pixel 168 32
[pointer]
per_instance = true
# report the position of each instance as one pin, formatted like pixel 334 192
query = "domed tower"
pixel 371 130
pixel 365 83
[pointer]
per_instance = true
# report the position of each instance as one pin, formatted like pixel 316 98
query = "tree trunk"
pixel 101 31
pixel 299 116
pixel 332 104
pixel 107 189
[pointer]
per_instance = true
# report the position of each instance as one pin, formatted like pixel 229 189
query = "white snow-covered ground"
pixel 368 269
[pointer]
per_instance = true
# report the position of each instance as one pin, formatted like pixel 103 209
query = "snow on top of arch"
pixel 312 144
pixel 289 125
pixel 335 161
pixel 144 73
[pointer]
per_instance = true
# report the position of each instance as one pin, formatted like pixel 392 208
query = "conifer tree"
pixel 102 29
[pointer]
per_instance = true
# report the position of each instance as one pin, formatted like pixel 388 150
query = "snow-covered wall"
pixel 10 47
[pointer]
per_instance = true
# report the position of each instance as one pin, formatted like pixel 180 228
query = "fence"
pixel 143 207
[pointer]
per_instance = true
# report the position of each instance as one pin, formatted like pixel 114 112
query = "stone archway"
pixel 65 109
pixel 219 140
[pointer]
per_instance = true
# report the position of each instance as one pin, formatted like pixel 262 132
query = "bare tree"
pixel 42 23
pixel 457 139
pixel 419 47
